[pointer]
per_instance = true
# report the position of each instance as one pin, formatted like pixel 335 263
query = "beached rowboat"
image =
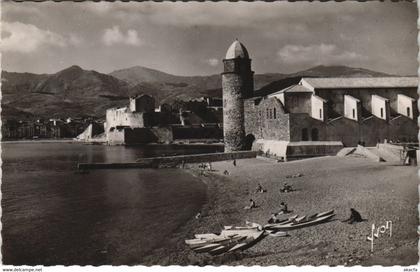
pixel 227 241
pixel 300 222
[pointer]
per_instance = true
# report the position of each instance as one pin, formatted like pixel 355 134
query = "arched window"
pixel 304 134
pixel 408 111
pixel 274 113
pixel 314 134
pixel 271 114
pixel 354 113
pixel 382 112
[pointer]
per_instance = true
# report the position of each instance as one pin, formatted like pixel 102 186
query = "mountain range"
pixel 77 92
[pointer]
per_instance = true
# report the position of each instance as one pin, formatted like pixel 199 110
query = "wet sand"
pixel 379 191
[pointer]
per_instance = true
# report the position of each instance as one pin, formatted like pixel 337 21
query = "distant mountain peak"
pixel 73 68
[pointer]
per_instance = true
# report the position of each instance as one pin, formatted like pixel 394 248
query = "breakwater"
pixel 169 161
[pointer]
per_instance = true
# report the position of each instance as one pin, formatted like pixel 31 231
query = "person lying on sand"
pixel 286 188
pixel 252 205
pixel 354 217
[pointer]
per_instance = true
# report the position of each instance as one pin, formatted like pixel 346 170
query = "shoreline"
pixel 67 140
pixel 43 141
pixel 333 243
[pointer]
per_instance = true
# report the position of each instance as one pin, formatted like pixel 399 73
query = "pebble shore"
pixel 379 191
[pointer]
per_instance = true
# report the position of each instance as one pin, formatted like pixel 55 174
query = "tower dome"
pixel 237 50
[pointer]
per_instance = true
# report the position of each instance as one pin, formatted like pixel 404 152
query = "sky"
pixel 192 38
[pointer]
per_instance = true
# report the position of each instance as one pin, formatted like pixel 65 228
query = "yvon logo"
pixel 375 232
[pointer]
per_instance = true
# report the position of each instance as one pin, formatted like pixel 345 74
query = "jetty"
pixel 170 161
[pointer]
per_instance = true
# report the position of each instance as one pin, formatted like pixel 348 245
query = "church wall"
pixel 318 108
pixel 373 130
pixel 301 121
pixel 336 96
pixel 298 102
pixel 380 107
pixel 351 108
pixel 345 130
pixel 252 119
pixel 267 120
pixel 406 105
pixel 402 129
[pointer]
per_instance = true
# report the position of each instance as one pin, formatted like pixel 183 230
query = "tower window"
pixel 408 111
pixel 274 113
pixel 354 113
pixel 271 114
pixel 382 112
pixel 267 114
pixel 320 113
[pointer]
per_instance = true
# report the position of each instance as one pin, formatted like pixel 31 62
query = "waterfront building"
pixel 317 116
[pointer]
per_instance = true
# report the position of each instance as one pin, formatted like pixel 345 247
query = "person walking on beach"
pixel 234 162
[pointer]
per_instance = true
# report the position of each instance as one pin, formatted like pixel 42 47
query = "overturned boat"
pixel 234 238
pixel 228 240
pixel 296 222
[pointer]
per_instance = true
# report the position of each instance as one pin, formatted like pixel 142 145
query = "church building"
pixel 317 116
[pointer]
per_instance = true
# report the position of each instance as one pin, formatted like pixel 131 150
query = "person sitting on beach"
pixel 273 219
pixel 198 215
pixel 354 217
pixel 259 189
pixel 286 188
pixel 283 208
pixel 226 172
pixel 252 205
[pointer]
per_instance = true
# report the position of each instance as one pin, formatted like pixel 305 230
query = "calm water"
pixel 54 215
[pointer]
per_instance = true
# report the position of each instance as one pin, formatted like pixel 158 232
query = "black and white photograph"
pixel 209 133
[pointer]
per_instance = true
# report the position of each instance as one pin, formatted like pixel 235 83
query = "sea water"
pixel 54 215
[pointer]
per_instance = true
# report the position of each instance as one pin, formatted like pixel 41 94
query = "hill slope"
pixel 76 92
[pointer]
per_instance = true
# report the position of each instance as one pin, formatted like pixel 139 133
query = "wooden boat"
pixel 282 222
pixel 228 240
pixel 301 222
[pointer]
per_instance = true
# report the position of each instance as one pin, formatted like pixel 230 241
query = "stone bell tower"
pixel 237 84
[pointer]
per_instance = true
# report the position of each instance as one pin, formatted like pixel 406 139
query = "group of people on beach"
pixel 283 208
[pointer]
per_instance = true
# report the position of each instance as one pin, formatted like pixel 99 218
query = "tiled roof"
pixel 293 89
pixel 366 82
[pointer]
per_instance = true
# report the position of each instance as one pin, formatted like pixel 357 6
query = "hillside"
pixel 70 92
pixel 77 92
pixel 166 87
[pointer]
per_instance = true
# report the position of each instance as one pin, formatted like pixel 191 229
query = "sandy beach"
pixel 379 191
